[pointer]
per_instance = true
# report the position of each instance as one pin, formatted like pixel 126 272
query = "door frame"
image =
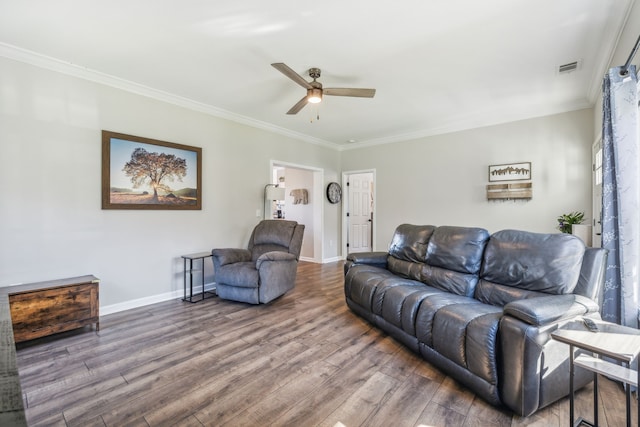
pixel 316 202
pixel 596 196
pixel 345 208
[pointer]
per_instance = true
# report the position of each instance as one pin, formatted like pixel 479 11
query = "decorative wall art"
pixel 143 173
pixel 510 172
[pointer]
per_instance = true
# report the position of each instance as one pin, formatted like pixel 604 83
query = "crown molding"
pixel 468 123
pixel 42 61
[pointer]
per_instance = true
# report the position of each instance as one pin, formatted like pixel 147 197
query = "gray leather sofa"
pixel 481 307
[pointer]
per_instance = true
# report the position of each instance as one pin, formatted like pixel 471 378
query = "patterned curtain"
pixel 620 196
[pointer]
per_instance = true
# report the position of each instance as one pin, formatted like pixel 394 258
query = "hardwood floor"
pixel 303 360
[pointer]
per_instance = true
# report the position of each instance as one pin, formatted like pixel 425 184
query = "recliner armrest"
pixel 230 256
pixel 274 256
pixel 544 310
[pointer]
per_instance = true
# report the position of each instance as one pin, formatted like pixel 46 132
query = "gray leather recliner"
pixel 266 269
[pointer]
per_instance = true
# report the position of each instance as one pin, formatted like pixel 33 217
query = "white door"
pixel 360 212
pixel 596 237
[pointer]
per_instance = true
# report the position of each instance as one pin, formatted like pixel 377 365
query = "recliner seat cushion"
pixel 241 274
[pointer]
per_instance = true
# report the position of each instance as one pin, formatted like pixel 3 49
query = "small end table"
pixel 190 271
pixel 617 342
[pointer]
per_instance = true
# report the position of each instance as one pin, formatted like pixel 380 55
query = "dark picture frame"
pixel 510 172
pixel 145 173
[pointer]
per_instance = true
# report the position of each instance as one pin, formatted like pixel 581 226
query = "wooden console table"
pixel 75 299
pixel 45 308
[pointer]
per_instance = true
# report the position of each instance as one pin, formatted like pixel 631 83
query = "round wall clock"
pixel 334 192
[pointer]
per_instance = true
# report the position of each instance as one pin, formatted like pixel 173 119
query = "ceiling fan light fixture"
pixel 314 95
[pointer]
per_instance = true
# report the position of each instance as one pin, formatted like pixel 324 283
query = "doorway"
pixel 307 181
pixel 596 229
pixel 358 228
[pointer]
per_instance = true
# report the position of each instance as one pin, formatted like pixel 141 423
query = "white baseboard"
pixel 141 302
pixel 334 259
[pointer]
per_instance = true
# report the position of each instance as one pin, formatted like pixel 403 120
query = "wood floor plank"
pixel 438 415
pixel 303 360
pixel 366 400
pixel 405 404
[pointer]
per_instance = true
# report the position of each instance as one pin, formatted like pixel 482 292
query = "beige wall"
pixel 51 221
pixel 441 180
pixel 52 225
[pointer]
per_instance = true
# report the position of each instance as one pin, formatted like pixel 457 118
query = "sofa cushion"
pixel 449 281
pixel 500 295
pixel 466 334
pixel 457 248
pixel 409 242
pixel 547 263
pixel 454 257
pixel 428 309
pixel 361 282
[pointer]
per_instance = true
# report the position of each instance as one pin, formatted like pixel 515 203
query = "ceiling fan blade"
pixel 362 93
pixel 284 69
pixel 299 106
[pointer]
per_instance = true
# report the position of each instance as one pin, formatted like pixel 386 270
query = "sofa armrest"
pixel 544 310
pixel 368 258
pixel 230 256
pixel 377 259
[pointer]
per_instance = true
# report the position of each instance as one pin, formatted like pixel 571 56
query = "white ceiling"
pixel 438 66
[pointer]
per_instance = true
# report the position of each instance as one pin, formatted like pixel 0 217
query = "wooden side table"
pixel 617 342
pixel 190 270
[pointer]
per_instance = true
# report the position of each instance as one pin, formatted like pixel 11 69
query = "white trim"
pixel 334 259
pixel 345 207
pixel 318 207
pixel 153 299
pixel 42 61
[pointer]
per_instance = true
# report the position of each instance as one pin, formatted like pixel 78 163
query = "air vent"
pixel 567 68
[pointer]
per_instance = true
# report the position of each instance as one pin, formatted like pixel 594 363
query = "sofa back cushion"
pixel 546 263
pixel 457 248
pixel 408 249
pixel 454 258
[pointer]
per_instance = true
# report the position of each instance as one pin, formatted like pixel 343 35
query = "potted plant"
pixel 565 221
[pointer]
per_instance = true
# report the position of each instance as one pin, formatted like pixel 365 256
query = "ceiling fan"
pixel 314 88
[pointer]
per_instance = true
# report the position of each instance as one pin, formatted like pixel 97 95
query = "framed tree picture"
pixel 144 173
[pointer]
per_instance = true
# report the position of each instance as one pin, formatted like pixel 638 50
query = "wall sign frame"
pixel 510 172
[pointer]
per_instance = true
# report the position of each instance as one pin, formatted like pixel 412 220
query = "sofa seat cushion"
pixel 501 295
pixel 242 274
pixel 400 304
pixel 428 309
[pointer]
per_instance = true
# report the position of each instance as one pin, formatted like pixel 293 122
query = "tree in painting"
pixel 154 169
